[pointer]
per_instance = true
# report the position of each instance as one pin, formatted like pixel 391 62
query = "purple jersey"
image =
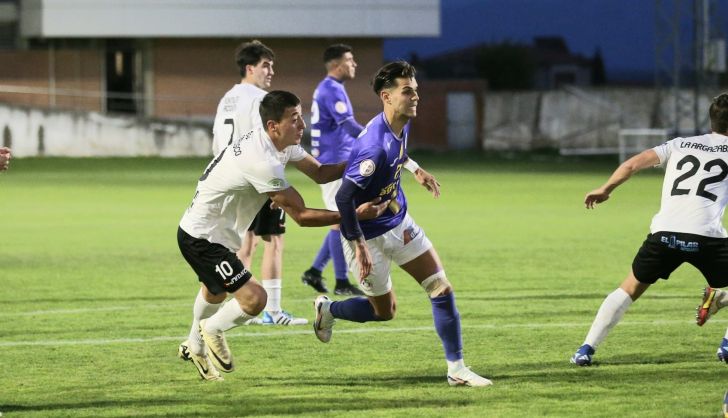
pixel 375 166
pixel 330 142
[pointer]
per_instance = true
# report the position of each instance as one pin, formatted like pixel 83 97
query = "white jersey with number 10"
pixel 233 188
pixel 695 190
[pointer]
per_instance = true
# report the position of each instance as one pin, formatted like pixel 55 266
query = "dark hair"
pixel 335 52
pixel 250 53
pixel 719 114
pixel 275 103
pixel 387 76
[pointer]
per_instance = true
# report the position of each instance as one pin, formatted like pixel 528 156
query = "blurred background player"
pixel 374 170
pixel 5 156
pixel 333 130
pixel 237 114
pixel 688 227
pixel 241 177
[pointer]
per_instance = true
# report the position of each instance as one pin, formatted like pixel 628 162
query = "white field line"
pixel 177 305
pixel 307 331
pixel 67 311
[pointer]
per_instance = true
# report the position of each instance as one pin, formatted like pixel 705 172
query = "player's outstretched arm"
pixel 426 179
pixel 645 159
pixel 320 173
pixel 292 203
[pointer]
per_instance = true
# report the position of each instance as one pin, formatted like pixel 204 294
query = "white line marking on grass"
pixel 66 311
pixel 188 305
pixel 307 331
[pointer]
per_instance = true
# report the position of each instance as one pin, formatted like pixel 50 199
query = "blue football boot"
pixel 583 356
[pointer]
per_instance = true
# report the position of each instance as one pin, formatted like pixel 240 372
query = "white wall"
pixel 582 118
pixel 228 18
pixel 78 134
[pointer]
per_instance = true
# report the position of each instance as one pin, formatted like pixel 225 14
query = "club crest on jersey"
pixel 340 107
pixel 276 182
pixel 366 168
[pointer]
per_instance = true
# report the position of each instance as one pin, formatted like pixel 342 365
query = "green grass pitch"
pixel 95 298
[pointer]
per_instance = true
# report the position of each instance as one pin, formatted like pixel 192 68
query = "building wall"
pixel 28 77
pixel 185 79
pixel 191 75
pixel 31 131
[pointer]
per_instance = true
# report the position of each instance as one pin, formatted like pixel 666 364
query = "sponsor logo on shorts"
pixel 410 234
pixel 237 277
pixel 673 242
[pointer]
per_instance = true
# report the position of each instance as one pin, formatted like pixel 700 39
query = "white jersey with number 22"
pixel 695 190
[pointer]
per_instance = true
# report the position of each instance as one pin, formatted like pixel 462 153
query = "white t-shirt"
pixel 695 190
pixel 233 188
pixel 237 113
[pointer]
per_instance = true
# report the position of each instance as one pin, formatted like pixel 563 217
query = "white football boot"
pixel 463 376
pixel 183 351
pixel 205 367
pixel 217 348
pixel 324 320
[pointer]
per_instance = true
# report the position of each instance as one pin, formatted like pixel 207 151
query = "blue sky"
pixel 623 29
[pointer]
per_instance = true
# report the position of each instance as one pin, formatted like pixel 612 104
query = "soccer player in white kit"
pixel 237 113
pixel 688 227
pixel 233 187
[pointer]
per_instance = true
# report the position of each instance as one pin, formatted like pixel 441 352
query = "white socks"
pixel 229 316
pixel 722 298
pixel 609 314
pixel 273 289
pixel 200 310
pixel 452 366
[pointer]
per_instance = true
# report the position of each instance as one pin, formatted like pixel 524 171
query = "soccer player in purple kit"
pixel 333 130
pixel 373 170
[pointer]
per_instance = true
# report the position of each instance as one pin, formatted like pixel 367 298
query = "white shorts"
pixel 328 192
pixel 385 249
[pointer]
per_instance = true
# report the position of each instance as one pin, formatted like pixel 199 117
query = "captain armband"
pixel 436 284
pixel 411 165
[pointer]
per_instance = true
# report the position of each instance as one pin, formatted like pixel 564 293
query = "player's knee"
pixel 437 285
pixel 275 243
pixel 386 314
pixel 255 300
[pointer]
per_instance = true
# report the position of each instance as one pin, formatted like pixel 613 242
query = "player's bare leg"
pixel 247 250
pixel 271 274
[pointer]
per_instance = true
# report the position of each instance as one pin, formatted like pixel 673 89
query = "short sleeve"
pixel 664 150
pixel 361 168
pixel 339 106
pixel 266 177
pixel 297 153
